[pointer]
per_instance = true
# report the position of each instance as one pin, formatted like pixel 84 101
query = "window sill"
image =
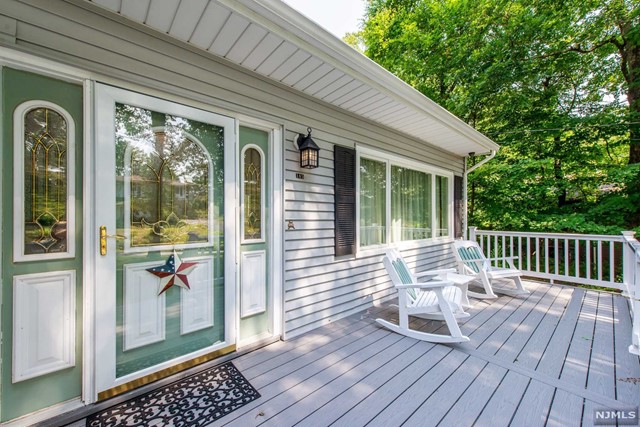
pixel 407 245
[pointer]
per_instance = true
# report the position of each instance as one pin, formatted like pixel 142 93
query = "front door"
pixel 165 204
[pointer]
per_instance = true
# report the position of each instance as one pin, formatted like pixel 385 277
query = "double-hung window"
pixel 401 200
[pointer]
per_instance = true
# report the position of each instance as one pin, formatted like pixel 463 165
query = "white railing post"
pixel 472 233
pixel 631 280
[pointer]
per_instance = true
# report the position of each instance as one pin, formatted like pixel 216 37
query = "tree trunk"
pixel 559 176
pixel 630 64
pixel 633 97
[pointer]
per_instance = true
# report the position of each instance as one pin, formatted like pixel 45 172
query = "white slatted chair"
pixel 471 261
pixel 435 299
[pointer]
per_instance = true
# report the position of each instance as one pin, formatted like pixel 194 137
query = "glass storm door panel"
pixel 163 222
pixel 255 295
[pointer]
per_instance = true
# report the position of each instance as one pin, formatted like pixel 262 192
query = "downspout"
pixel 465 174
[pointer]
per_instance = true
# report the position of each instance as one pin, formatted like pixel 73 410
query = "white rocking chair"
pixel 435 299
pixel 471 261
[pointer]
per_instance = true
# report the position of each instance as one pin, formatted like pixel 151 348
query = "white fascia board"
pixel 281 19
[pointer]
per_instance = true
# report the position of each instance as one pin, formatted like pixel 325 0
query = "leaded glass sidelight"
pixel 252 194
pixel 45 172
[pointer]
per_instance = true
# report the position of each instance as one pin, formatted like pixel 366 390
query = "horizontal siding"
pixel 318 288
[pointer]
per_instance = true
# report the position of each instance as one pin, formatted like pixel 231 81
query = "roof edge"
pixel 294 25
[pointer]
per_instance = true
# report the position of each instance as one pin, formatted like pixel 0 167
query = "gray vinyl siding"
pixel 318 288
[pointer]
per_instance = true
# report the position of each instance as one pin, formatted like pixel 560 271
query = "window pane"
pixel 252 194
pixel 45 189
pixel 410 204
pixel 167 173
pixel 373 176
pixel 442 205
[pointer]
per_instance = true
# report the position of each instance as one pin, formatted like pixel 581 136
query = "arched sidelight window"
pixel 43 182
pixel 252 196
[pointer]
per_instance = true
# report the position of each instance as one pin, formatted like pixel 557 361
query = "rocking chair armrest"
pixel 435 272
pixel 427 285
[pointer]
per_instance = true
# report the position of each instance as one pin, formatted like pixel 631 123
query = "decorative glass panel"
pixel 166 178
pixel 410 204
pixel 45 181
pixel 252 194
pixel 373 202
pixel 442 206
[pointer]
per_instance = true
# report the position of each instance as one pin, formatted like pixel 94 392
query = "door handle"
pixel 103 239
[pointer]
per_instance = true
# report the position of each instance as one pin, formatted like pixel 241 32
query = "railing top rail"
pixel 609 238
pixel 629 238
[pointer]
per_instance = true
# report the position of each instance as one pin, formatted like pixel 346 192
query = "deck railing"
pixel 632 284
pixel 586 259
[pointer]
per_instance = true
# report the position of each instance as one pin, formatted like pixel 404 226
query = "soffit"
pixel 272 39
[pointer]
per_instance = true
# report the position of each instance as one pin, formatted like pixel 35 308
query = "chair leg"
pixel 447 312
pixel 519 285
pixel 486 284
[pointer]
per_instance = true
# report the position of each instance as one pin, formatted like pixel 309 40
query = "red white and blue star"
pixel 173 272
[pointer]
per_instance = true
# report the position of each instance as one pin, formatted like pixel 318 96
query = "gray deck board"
pixel 534 406
pixel 504 401
pixel 627 365
pixel 433 390
pixel 550 358
pixel 566 410
pixel 467 409
pixel 358 392
pixel 527 327
pixel 510 325
pixel 553 358
pixel 531 354
pixel 602 376
pixel 576 364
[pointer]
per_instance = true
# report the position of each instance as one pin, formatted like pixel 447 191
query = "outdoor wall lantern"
pixel 308 151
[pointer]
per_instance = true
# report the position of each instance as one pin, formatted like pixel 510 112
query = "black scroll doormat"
pixel 193 401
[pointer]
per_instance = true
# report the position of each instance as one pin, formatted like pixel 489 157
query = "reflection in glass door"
pixel 169 205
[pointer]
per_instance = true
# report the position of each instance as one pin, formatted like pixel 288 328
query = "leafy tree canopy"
pixel 556 83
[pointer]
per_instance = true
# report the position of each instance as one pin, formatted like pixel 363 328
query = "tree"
pixel 545 79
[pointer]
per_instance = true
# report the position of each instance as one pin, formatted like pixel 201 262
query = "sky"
pixel 337 16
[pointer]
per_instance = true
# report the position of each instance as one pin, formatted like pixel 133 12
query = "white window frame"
pixel 262 195
pixel 388 160
pixel 19 194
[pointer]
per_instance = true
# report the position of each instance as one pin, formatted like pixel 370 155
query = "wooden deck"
pixel 551 358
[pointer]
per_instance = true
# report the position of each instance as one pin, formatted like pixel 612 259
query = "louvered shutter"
pixel 458 206
pixel 344 162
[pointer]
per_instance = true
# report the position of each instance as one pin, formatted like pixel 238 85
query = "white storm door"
pixel 165 217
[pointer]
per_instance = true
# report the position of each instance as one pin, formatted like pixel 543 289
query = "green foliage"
pixel 552 82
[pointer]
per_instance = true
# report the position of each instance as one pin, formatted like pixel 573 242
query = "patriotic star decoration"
pixel 173 272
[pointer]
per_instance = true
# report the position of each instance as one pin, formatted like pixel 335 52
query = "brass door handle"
pixel 103 239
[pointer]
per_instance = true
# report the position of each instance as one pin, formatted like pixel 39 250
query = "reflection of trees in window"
pixel 442 206
pixel 45 202
pixel 373 184
pixel 168 174
pixel 252 194
pixel 410 204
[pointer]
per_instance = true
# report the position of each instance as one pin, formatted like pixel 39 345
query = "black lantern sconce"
pixel 308 151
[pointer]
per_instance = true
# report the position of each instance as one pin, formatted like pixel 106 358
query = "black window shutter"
pixel 344 163
pixel 458 205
